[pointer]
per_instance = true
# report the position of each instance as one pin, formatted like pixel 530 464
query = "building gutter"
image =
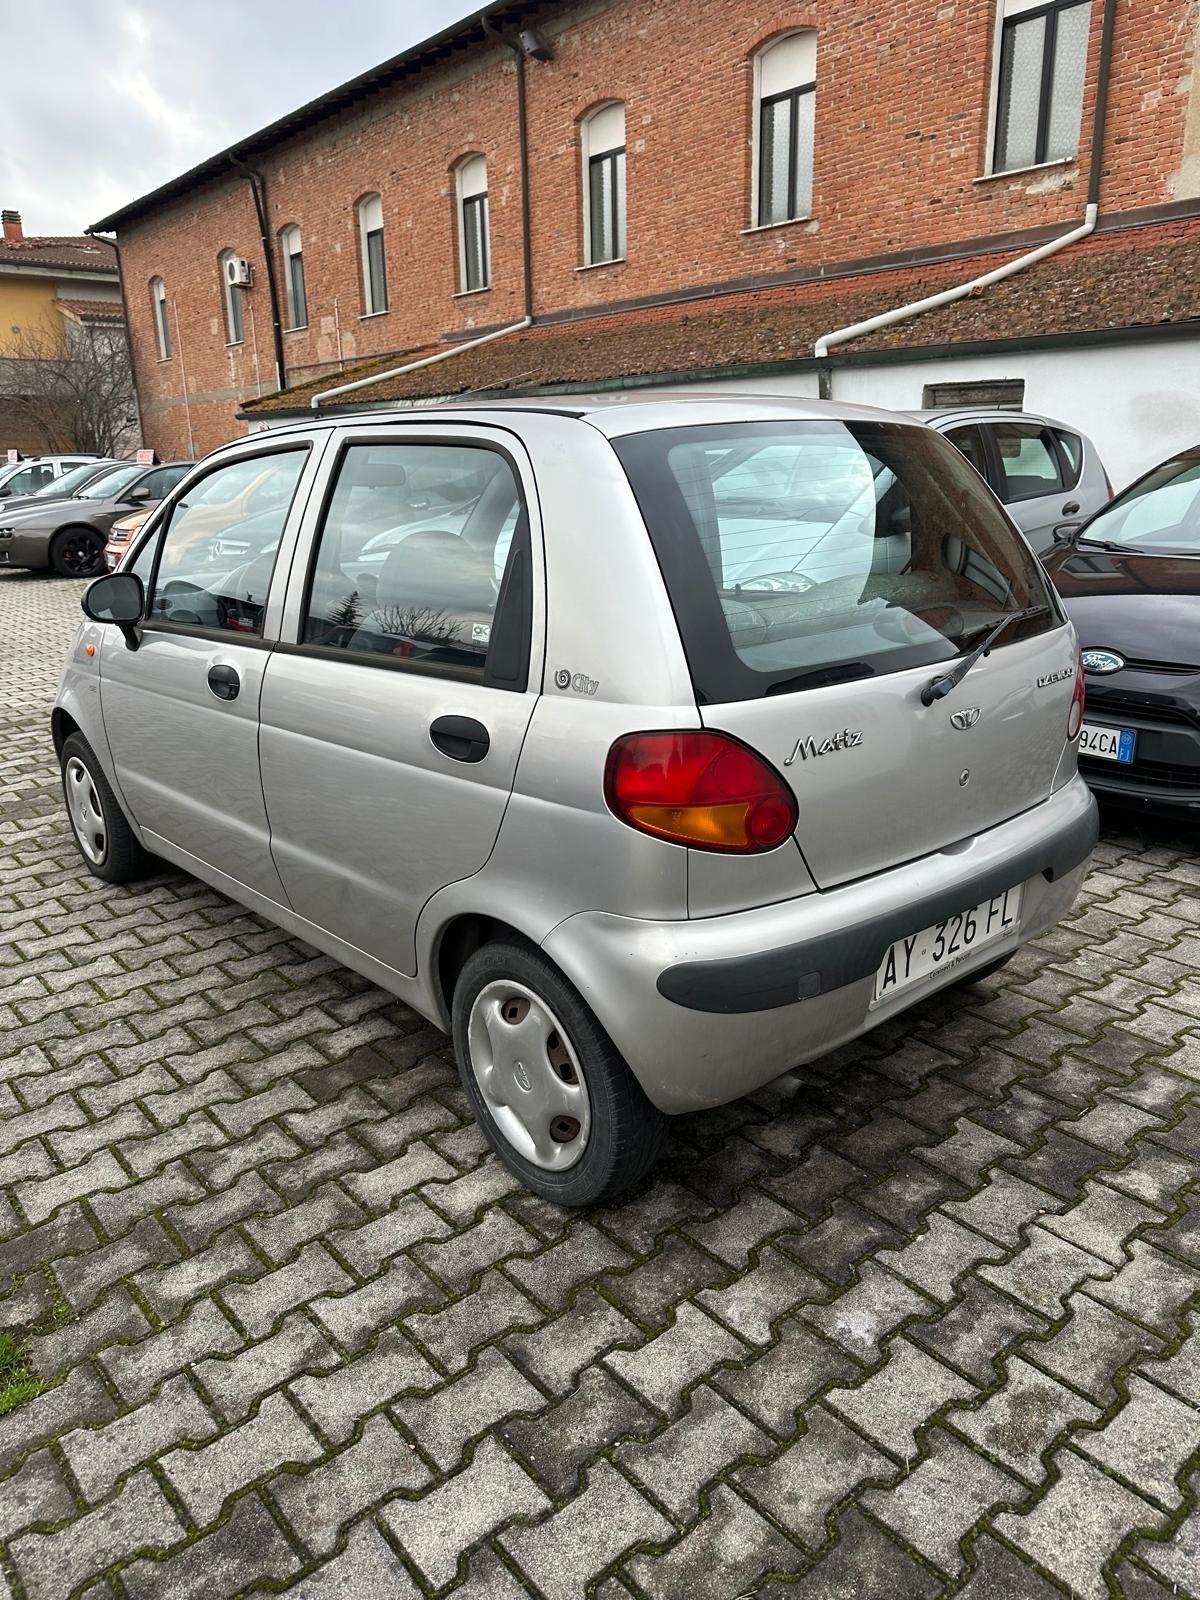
pixel 115 247
pixel 258 188
pixel 945 297
pixel 415 366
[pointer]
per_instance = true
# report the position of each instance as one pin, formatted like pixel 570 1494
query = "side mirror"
pixel 136 497
pixel 1064 532
pixel 117 598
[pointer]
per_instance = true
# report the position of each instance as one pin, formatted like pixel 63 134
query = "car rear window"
pixel 803 553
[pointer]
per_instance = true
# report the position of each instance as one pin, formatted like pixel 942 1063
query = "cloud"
pixel 117 96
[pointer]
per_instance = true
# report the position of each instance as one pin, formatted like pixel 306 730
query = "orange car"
pixel 119 536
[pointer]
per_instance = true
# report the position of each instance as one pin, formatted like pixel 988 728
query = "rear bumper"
pixel 709 1009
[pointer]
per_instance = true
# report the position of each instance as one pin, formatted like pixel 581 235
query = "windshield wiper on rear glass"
pixel 941 687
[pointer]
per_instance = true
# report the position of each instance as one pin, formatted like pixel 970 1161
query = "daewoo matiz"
pixel 651 748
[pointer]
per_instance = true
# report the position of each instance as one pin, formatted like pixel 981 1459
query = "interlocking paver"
pixel 942 1498
pixel 971 1233
pixel 51 1565
pixel 484 1496
pixel 204 1478
pixel 319 1502
pixel 1023 1419
pixel 1073 1528
pixel 1148 1442
pixel 588 1534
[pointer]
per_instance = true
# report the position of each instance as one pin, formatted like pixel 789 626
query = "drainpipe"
pixel 258 188
pixel 886 319
pixel 520 49
pixel 413 366
pixel 115 247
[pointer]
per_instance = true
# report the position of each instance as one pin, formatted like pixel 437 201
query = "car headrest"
pixel 434 567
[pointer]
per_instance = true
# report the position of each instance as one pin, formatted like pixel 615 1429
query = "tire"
pixel 109 849
pixel 77 553
pixel 619 1132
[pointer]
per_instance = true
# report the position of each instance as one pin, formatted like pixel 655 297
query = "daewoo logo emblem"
pixel 966 718
pixel 1099 661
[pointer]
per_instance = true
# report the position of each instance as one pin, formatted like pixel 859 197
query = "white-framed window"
pixel 293 276
pixel 162 328
pixel 235 328
pixel 1040 67
pixel 471 184
pixel 785 95
pixel 603 141
pixel 374 266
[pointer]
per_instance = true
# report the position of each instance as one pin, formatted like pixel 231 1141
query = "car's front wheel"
pixel 77 553
pixel 551 1092
pixel 106 841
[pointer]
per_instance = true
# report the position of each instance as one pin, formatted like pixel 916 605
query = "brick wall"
pixel 903 94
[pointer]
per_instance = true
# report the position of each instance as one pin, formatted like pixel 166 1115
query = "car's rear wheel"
pixel 550 1090
pixel 106 841
pixel 77 553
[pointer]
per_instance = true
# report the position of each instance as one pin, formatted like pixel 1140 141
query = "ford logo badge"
pixel 1100 661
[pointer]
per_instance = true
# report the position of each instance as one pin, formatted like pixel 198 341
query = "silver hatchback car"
pixel 649 747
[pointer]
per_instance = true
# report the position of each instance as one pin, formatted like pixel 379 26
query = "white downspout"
pixel 425 361
pixel 945 297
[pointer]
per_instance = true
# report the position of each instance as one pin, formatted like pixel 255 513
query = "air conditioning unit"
pixel 239 274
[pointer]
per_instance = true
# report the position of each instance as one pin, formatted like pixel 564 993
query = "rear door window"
pixel 867 548
pixel 1071 447
pixel 970 441
pixel 1029 461
pixel 413 555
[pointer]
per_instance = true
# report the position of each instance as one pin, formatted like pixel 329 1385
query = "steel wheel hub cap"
pixel 87 816
pixel 529 1075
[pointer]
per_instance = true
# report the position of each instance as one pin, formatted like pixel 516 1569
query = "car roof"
pixel 613 414
pixel 987 414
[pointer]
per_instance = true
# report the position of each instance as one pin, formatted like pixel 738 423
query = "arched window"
pixel 785 99
pixel 293 276
pixel 474 266
pixel 162 329
pixel 374 267
pixel 603 140
pixel 234 326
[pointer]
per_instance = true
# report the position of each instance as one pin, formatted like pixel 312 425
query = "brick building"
pixel 706 188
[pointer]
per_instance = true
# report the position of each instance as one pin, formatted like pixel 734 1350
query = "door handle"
pixel 460 738
pixel 224 682
pixel 1071 507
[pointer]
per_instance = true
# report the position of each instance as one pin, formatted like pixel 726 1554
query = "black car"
pixel 1130 579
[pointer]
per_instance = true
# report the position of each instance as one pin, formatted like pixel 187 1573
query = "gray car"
pixel 703 736
pixel 69 535
pixel 71 483
pixel 1047 473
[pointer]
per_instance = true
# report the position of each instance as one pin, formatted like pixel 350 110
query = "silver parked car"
pixel 702 736
pixel 1045 472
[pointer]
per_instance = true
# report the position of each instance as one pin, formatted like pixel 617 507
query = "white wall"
pixel 1138 402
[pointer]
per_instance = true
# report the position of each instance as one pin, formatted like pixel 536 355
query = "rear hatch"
pixel 823 574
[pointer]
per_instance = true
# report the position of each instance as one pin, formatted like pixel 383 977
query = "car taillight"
pixel 700 789
pixel 1075 720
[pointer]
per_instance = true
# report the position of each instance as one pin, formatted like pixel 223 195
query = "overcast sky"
pixel 105 99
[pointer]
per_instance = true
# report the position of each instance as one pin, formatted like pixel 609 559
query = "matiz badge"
pixel 847 739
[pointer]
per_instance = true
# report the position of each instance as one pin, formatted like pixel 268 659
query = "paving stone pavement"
pixel 921 1319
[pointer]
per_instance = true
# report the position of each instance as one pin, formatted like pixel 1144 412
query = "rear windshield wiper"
pixel 941 687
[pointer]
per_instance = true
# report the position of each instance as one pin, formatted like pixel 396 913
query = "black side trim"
pixel 816 966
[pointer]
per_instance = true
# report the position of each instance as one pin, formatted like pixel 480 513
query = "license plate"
pixel 947 944
pixel 1108 744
